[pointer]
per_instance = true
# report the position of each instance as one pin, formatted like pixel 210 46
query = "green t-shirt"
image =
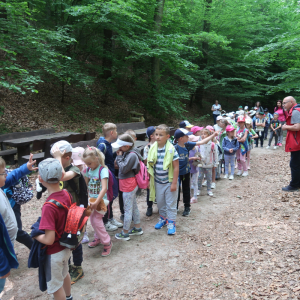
pixel 66 185
pixel 94 185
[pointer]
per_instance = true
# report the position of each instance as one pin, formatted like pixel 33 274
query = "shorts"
pixel 56 269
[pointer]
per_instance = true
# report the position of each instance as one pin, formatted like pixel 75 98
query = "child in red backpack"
pixel 97 188
pixel 53 222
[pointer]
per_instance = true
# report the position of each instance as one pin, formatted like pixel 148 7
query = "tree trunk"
pixel 107 51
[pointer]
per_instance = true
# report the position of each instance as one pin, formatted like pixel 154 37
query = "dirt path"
pixel 240 244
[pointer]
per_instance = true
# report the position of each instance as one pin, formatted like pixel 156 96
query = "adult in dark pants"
pixel 292 141
pixel 216 109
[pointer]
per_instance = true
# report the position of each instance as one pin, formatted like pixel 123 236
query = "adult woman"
pixel 216 109
pixel 257 106
pixel 282 118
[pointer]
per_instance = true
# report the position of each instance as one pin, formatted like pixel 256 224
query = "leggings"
pixel 208 175
pixel 229 159
pixel 194 183
pixel 99 229
pixel 131 210
pixel 241 159
pixel 280 136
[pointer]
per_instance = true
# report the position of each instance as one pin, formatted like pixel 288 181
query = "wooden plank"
pixel 84 144
pixel 38 145
pixel 17 135
pixel 8 152
pixel 122 127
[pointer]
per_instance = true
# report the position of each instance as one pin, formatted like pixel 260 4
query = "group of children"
pixel 191 159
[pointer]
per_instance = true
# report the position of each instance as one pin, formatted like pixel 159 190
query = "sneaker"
pixel 231 177
pixel 213 185
pixel 245 173
pixel 204 183
pixel 256 146
pixel 116 223
pixel 71 268
pixel 149 212
pixel 198 193
pixel 171 227
pixel 85 238
pixel 279 144
pixel 161 223
pixel 249 168
pixel 135 231
pixel 107 249
pixel 76 274
pixel 210 193
pixel 289 188
pixel 274 147
pixel 186 212
pixel 194 200
pixel 110 227
pixel 122 236
pixel 239 173
pixel 267 147
pixel 225 176
pixel 122 217
pixel 94 243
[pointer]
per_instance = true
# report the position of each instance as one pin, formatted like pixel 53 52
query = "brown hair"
pixel 207 131
pixel 131 133
pixel 2 163
pixel 108 127
pixel 127 138
pixel 224 121
pixel 164 127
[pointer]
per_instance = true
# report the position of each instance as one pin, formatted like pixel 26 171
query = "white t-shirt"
pixel 217 127
pixel 216 112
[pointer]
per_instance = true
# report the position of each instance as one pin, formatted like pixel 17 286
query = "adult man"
pixel 292 143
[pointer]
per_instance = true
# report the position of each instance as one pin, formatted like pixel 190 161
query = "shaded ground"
pixel 240 244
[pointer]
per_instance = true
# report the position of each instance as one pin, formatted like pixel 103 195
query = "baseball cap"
pixel 185 123
pixel 266 109
pixel 181 132
pixel 248 121
pixel 246 108
pixel 210 128
pixel 77 156
pixel 50 168
pixel 241 107
pixel 193 138
pixel 195 129
pixel 241 119
pixel 275 113
pixel 229 128
pixel 261 113
pixel 150 131
pixel 219 118
pixel 63 146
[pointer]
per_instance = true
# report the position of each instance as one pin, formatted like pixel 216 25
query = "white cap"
pixel 119 143
pixel 219 118
pixel 62 146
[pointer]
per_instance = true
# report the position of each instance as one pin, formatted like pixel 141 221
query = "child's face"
pixel 198 133
pixel 257 115
pixel 124 148
pixel 114 134
pixel 161 137
pixel 204 135
pixel 153 137
pixel 275 117
pixel 66 161
pixel 188 129
pixel 91 162
pixel 230 134
pixel 2 177
pixel 241 124
pixel 260 116
pixel 183 139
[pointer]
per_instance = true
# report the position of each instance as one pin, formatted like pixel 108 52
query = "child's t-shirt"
pixel 160 175
pixel 54 218
pixel 146 151
pixel 244 131
pixel 183 152
pixel 194 169
pixel 66 185
pixel 275 124
pixel 95 185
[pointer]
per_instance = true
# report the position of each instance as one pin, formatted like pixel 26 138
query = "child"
pixel 62 151
pixel 242 135
pixel 53 222
pixel 97 188
pixel 230 145
pixel 194 153
pixel 275 130
pixel 209 158
pixel 128 162
pixel 268 118
pixel 104 145
pixel 260 125
pixel 217 125
pixel 252 135
pixel 196 130
pixel 151 136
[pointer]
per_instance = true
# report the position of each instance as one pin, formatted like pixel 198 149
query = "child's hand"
pixel 31 163
pixel 94 205
pixel 56 152
pixel 173 187
pixel 216 133
pixel 231 150
pixel 119 152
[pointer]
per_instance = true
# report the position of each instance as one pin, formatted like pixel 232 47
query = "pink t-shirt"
pixel 281 115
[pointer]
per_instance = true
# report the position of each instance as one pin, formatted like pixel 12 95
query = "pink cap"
pixel 77 156
pixel 229 128
pixel 193 138
pixel 210 128
pixel 195 129
pixel 241 119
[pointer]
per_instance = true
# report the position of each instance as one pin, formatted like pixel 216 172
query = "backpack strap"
pixel 72 182
pixel 104 152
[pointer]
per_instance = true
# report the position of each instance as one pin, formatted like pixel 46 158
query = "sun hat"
pixel 229 128
pixel 77 156
pixel 119 143
pixel 219 118
pixel 185 123
pixel 50 168
pixel 241 119
pixel 195 129
pixel 63 146
pixel 181 132
pixel 150 131
pixel 193 138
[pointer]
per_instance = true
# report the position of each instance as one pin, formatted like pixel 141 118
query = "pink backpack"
pixel 142 177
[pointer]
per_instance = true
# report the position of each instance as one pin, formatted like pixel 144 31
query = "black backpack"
pixel 83 192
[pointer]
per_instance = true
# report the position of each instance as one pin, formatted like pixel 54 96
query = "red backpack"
pixel 75 223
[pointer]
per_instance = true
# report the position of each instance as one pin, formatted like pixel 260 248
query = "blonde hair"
pixel 164 127
pixel 94 153
pixel 224 121
pixel 207 131
pixel 127 138
pixel 131 133
pixel 251 126
pixel 2 163
pixel 108 127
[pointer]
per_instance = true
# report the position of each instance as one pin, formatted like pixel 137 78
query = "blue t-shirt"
pixel 183 152
pixel 105 147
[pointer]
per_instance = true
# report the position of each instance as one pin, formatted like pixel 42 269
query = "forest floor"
pixel 243 243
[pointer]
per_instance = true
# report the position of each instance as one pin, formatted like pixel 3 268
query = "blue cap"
pixel 150 131
pixel 185 123
pixel 181 132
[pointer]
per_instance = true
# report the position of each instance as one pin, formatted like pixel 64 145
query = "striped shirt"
pixel 160 175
